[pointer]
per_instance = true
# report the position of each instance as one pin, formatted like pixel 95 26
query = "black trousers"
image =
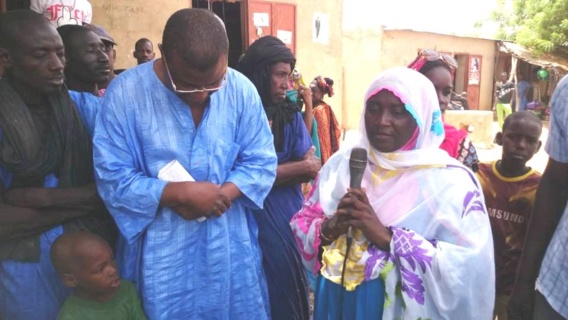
pixel 542 309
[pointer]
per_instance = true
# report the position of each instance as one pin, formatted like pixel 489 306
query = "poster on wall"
pixel 260 19
pixel 285 36
pixel 320 28
pixel 474 73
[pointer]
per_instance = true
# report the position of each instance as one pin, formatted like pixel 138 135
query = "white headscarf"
pixel 419 97
pixel 441 253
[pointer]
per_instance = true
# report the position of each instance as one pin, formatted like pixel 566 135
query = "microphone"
pixel 357 165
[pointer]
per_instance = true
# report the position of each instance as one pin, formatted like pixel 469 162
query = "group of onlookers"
pixel 178 195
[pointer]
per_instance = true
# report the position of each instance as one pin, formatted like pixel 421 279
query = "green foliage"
pixel 538 24
pixel 389 266
pixel 505 17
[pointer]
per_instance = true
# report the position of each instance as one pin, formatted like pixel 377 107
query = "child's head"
pixel 84 261
pixel 520 137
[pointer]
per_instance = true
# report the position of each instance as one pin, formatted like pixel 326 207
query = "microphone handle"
pixel 350 229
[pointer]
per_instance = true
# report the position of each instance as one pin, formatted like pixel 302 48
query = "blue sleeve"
pixel 88 106
pixel 301 137
pixel 131 197
pixel 254 171
pixel 557 142
pixel 5 175
pixel 5 178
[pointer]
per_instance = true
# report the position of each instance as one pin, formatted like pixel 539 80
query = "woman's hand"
pixel 313 163
pixel 354 210
pixel 331 230
pixel 306 94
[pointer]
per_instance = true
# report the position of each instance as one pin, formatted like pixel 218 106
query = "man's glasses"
pixel 196 90
pixel 432 55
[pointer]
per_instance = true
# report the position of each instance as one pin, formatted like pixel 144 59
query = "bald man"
pixel 193 240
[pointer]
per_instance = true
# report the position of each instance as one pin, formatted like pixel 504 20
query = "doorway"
pixel 230 13
pixel 460 76
pixel 468 78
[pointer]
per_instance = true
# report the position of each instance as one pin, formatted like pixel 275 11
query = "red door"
pixel 258 20
pixel 473 81
pixel 268 18
pixel 284 23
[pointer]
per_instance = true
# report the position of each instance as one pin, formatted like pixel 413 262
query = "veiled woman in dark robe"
pixel 268 63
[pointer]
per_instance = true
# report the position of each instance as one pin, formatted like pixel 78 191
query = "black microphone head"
pixel 357 165
pixel 358 157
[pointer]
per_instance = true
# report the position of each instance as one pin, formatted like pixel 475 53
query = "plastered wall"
pixel 314 58
pixel 356 51
pixel 320 58
pixel 130 20
pixel 361 37
pixel 400 48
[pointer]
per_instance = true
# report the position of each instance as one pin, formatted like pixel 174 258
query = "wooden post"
pixel 3 7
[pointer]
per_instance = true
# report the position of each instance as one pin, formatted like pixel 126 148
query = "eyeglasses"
pixel 197 90
pixel 432 55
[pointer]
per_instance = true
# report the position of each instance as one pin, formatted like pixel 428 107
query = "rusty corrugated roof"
pixel 545 60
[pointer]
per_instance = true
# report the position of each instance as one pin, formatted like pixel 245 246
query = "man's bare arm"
pixel 19 222
pixel 549 206
pixel 70 198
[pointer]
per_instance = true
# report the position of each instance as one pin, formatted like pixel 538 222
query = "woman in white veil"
pixel 421 242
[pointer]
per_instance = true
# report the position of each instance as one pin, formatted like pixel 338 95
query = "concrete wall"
pixel 128 21
pixel 361 55
pixel 480 122
pixel 399 48
pixel 350 57
pixel 357 50
pixel 316 58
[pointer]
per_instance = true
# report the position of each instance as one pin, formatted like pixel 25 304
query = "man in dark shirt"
pixel 87 63
pixel 143 51
pixel 110 51
pixel 504 92
pixel 46 170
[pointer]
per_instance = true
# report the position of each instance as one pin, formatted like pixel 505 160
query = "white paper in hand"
pixel 175 172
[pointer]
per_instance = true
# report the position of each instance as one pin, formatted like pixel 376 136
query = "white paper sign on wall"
pixel 260 19
pixel 285 36
pixel 320 28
